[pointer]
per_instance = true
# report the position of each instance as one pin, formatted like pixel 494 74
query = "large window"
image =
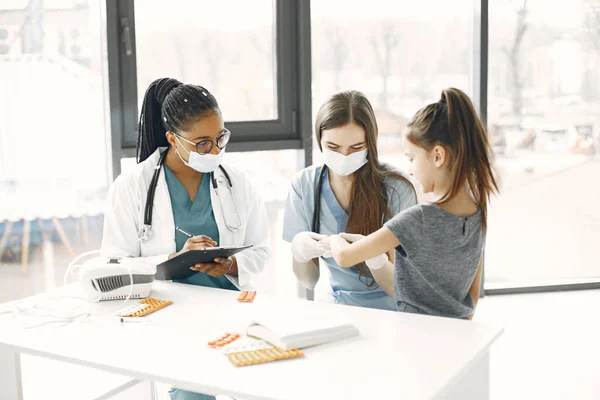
pixel 544 123
pixel 53 140
pixel 543 110
pixel 271 173
pixel 213 44
pixel 237 59
pixel 253 65
pixel 400 54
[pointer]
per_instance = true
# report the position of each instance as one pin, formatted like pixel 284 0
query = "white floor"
pixel 550 350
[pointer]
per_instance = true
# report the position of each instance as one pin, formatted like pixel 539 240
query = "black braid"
pixel 170 106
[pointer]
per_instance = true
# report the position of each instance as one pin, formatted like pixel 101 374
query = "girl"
pixel 352 192
pixel 439 246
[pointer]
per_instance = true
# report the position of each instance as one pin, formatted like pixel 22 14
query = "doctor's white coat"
pixel 124 216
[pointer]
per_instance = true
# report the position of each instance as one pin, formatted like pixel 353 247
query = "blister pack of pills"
pixel 253 357
pixel 144 307
pixel 247 296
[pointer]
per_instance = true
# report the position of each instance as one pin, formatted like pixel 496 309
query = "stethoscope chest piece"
pixel 145 233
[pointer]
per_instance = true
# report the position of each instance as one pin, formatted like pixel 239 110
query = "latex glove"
pixel 304 246
pixel 373 263
pixel 325 246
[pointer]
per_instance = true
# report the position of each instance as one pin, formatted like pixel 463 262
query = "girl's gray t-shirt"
pixel 436 261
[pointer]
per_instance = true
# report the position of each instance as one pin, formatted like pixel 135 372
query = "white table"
pixel 396 355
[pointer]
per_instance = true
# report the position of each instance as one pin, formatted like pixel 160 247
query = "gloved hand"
pixel 325 247
pixel 304 246
pixel 373 263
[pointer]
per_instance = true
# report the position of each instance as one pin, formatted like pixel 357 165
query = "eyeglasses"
pixel 205 146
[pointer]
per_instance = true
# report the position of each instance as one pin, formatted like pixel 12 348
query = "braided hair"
pixel 170 106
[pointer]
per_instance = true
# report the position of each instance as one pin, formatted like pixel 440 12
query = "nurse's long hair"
pixel 368 203
pixel 170 106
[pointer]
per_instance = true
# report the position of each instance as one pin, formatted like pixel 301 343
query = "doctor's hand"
pixel 304 246
pixel 373 263
pixel 195 243
pixel 220 267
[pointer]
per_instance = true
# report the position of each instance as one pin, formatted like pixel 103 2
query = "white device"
pixel 111 279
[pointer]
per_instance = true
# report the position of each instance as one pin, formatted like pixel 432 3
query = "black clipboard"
pixel 178 267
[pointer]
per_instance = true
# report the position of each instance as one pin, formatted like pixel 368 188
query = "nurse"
pixel 353 192
pixel 180 181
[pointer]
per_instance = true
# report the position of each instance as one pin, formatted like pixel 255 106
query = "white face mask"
pixel 202 162
pixel 344 165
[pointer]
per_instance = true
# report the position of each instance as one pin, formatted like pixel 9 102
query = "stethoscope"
pixel 145 233
pixel 316 219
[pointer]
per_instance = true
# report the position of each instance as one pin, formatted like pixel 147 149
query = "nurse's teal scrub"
pixel 345 285
pixel 196 218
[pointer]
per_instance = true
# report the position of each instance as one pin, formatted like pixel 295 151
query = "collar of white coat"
pixel 221 197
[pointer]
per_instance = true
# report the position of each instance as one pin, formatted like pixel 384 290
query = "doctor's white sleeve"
pixel 120 234
pixel 256 258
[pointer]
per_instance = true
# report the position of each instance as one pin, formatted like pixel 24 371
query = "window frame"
pixel 290 130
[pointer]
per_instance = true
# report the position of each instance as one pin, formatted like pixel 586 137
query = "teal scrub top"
pixel 196 218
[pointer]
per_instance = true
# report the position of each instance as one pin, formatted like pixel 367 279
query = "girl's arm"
pixel 347 255
pixel 475 286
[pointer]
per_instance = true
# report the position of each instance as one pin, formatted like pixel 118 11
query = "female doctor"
pixel 180 182
pixel 353 192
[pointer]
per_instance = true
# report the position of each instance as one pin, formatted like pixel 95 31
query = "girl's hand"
pixel 324 245
pixel 335 245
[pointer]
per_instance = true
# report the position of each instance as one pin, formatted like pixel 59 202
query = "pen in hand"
pixel 182 231
pixel 194 242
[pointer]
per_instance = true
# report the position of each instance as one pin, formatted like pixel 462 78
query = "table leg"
pixel 10 374
pixel 4 239
pixel 473 384
pixel 25 246
pixel 153 392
